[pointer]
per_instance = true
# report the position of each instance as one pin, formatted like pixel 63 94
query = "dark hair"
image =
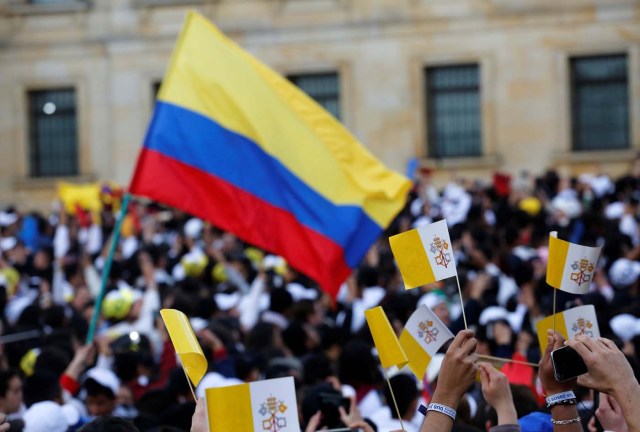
pixel 5 377
pixel 41 386
pixel 109 424
pixel 94 388
pixel 406 392
pixel 281 300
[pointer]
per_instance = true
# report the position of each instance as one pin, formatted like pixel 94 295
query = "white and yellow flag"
pixel 268 405
pixel 576 321
pixel 424 255
pixel 422 337
pixel 570 266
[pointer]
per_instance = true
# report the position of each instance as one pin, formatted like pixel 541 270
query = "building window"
pixel 53 133
pixel 454 126
pixel 324 88
pixel 600 102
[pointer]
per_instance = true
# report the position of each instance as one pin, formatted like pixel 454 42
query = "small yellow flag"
pixel 87 196
pixel 185 343
pixel 389 349
pixel 580 320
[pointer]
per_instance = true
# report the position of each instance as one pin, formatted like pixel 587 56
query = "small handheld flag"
pixel 268 405
pixel 389 349
pixel 186 344
pixel 424 255
pixel 581 320
pixel 422 337
pixel 570 266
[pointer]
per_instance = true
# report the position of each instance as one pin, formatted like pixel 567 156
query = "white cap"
pixel 8 243
pixel 299 292
pixel 45 416
pixel 614 210
pixel 193 228
pixel 432 299
pixel 214 379
pixel 7 219
pixel 493 313
pixel 434 367
pixel 106 378
pixel 227 301
pixel 624 326
pixel 624 272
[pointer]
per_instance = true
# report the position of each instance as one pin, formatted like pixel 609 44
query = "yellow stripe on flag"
pixel 412 259
pixel 185 343
pixel 547 324
pixel 558 250
pixel 418 358
pixel 389 349
pixel 229 408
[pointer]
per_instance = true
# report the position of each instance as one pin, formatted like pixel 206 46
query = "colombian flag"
pixel 236 144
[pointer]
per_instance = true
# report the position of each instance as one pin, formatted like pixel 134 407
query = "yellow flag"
pixel 87 196
pixel 581 320
pixel 389 349
pixel 185 343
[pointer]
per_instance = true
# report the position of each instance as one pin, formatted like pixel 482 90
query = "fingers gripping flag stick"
pixel 186 345
pixel 581 320
pixel 570 267
pixel 422 337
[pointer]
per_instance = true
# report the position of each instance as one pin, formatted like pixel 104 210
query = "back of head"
pixel 41 386
pixel 405 391
pixel 45 416
pixel 109 424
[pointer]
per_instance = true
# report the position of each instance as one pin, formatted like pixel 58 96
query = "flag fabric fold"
pixel 570 267
pixel 422 337
pixel 581 320
pixel 389 350
pixel 424 255
pixel 186 344
pixel 268 405
pixel 236 144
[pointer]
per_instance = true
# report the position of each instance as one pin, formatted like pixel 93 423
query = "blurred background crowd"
pixel 256 317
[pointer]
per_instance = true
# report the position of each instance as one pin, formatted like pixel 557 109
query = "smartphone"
pixel 567 364
pixel 329 403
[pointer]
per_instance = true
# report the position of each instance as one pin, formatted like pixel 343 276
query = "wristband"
pixel 557 398
pixel 442 409
pixel 566 422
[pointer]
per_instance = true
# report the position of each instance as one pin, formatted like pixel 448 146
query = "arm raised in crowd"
pixel 564 412
pixel 611 373
pixel 496 391
pixel 456 376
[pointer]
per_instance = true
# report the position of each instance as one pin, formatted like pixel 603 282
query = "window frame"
pixel 574 106
pixel 292 77
pixel 34 168
pixel 430 142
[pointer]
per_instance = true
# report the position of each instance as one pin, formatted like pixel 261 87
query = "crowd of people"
pixel 258 318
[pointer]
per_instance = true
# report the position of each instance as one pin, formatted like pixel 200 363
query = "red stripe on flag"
pixel 176 184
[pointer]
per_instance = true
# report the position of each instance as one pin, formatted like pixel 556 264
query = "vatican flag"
pixel 268 405
pixel 424 255
pixel 421 339
pixel 576 321
pixel 570 266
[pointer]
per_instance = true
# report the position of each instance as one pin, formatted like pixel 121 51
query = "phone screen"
pixel 567 364
pixel 329 404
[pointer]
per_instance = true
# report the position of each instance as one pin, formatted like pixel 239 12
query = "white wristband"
pixel 442 409
pixel 560 397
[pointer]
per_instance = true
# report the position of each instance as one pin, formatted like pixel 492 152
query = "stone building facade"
pixel 467 87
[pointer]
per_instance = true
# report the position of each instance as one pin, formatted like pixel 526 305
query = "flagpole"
pixel 504 360
pixel 193 393
pixel 393 396
pixel 107 267
pixel 555 291
pixel 464 317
